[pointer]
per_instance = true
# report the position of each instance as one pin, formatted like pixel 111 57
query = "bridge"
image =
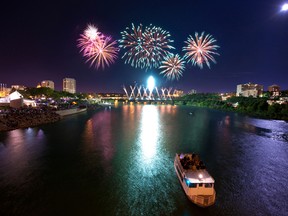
pixel 135 101
pixel 149 94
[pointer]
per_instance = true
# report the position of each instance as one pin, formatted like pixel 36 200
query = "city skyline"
pixel 39 42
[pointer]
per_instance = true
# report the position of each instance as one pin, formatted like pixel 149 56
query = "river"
pixel 119 161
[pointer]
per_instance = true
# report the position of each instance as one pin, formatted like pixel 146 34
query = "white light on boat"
pixel 200 176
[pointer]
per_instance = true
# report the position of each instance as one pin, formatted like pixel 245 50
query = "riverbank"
pixel 253 107
pixel 11 119
pixel 253 114
pixel 26 117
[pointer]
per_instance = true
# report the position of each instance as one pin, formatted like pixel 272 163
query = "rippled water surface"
pixel 119 161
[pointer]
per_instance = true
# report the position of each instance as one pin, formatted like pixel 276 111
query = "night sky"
pixel 39 42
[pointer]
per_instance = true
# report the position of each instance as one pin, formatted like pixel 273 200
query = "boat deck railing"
pixel 179 163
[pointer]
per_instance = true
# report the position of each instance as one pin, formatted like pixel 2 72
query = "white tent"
pixel 16 100
pixel 15 95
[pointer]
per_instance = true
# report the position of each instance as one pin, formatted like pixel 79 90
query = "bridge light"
pixel 151 83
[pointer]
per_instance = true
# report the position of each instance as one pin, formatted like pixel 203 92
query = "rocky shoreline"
pixel 26 117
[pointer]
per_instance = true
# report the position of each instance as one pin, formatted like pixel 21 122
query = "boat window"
pixel 200 184
pixel 192 185
pixel 208 185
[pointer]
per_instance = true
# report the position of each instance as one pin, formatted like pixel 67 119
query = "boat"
pixel 71 111
pixel 109 104
pixel 195 180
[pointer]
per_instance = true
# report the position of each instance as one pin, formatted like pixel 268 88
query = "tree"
pixel 263 106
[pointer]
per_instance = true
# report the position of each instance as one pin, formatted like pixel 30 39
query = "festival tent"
pixel 16 100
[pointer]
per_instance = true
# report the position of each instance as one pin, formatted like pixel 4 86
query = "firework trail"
pixel 99 49
pixel 145 49
pixel 173 66
pixel 200 50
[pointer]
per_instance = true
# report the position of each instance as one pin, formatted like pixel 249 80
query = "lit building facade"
pixel 4 91
pixel 18 87
pixel 69 85
pixel 275 90
pixel 178 93
pixel 249 90
pixel 47 84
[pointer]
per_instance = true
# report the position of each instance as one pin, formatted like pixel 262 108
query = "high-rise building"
pixel 47 84
pixel 249 90
pixel 69 85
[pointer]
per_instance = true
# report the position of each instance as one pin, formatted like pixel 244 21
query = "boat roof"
pixel 199 176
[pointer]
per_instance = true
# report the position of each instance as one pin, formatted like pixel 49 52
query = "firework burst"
pixel 104 53
pixel 173 66
pixel 200 50
pixel 158 45
pixel 145 49
pixel 90 38
pixel 133 41
pixel 99 49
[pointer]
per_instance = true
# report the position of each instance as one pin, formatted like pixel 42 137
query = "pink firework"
pixel 104 54
pixel 89 39
pixel 99 49
pixel 200 50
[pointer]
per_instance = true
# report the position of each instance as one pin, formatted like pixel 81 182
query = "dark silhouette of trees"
pixel 257 107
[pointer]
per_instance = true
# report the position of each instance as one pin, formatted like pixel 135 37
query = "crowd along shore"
pixel 24 117
pixel 12 118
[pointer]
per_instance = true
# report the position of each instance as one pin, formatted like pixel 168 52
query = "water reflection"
pixel 149 170
pixel 19 154
pixel 122 163
pixel 17 142
pixel 98 137
pixel 149 134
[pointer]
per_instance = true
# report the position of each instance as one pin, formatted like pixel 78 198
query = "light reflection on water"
pixel 20 147
pixel 149 135
pixel 148 191
pixel 97 137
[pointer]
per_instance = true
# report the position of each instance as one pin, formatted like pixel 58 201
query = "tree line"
pixel 257 107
